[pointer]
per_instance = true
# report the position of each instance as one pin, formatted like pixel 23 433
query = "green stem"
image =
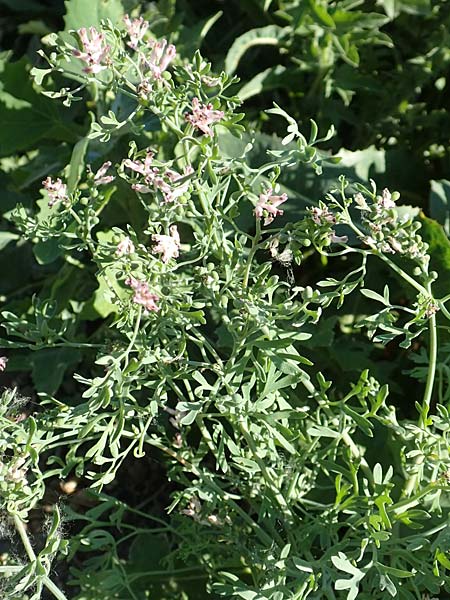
pixel 10 569
pixel 24 537
pixel 54 589
pixel 133 337
pixel 415 284
pixel 432 354
pixel 252 253
pixel 442 307
pixel 410 502
pixel 427 396
pixel 267 477
pixel 87 241
pixel 264 537
pixel 20 527
pixel 346 438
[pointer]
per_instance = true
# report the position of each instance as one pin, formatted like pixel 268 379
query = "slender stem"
pixel 268 478
pixel 10 569
pixel 83 226
pixel 20 527
pixel 263 536
pixel 427 396
pixel 443 308
pixel 252 253
pixel 432 360
pixel 415 284
pixel 54 589
pixel 24 537
pixel 410 502
pixel 133 337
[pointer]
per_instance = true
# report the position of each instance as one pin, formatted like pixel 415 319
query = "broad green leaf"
pixel 439 249
pixel 77 165
pixel 47 251
pixel 6 237
pixel 269 79
pixel 365 162
pixel 102 298
pixel 440 203
pixel 89 13
pixel 49 366
pixel 26 116
pixel 263 36
pixel 191 37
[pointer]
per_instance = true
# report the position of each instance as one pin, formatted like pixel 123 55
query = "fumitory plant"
pixel 174 290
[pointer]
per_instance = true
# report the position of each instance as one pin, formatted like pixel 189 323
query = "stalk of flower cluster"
pixel 251 254
pixel 415 284
pixel 426 402
pixel 432 354
pixel 133 338
pixel 54 589
pixel 432 361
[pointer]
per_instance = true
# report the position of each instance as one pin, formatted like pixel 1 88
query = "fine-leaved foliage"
pixel 208 352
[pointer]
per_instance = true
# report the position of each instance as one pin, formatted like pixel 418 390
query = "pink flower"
pixel 142 294
pixel 172 192
pixel 136 29
pixel 385 200
pixel 267 206
pixel 144 168
pixel 94 50
pixel 203 115
pixel 100 178
pixel 3 362
pixel 126 246
pixel 338 239
pixel 170 183
pixel 17 472
pixel 145 88
pixel 56 190
pixel 160 57
pixel 167 245
pixel 322 215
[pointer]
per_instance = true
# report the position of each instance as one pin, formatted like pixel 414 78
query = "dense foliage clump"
pixel 224 334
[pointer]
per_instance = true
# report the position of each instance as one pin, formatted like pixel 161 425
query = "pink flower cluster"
pixel 167 245
pixel 385 200
pixel 143 295
pixel 100 178
pixel 322 215
pixel 95 52
pixel 203 115
pixel 126 246
pixel 160 58
pixel 136 30
pixel 267 206
pixel 3 363
pixel 56 190
pixel 171 184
